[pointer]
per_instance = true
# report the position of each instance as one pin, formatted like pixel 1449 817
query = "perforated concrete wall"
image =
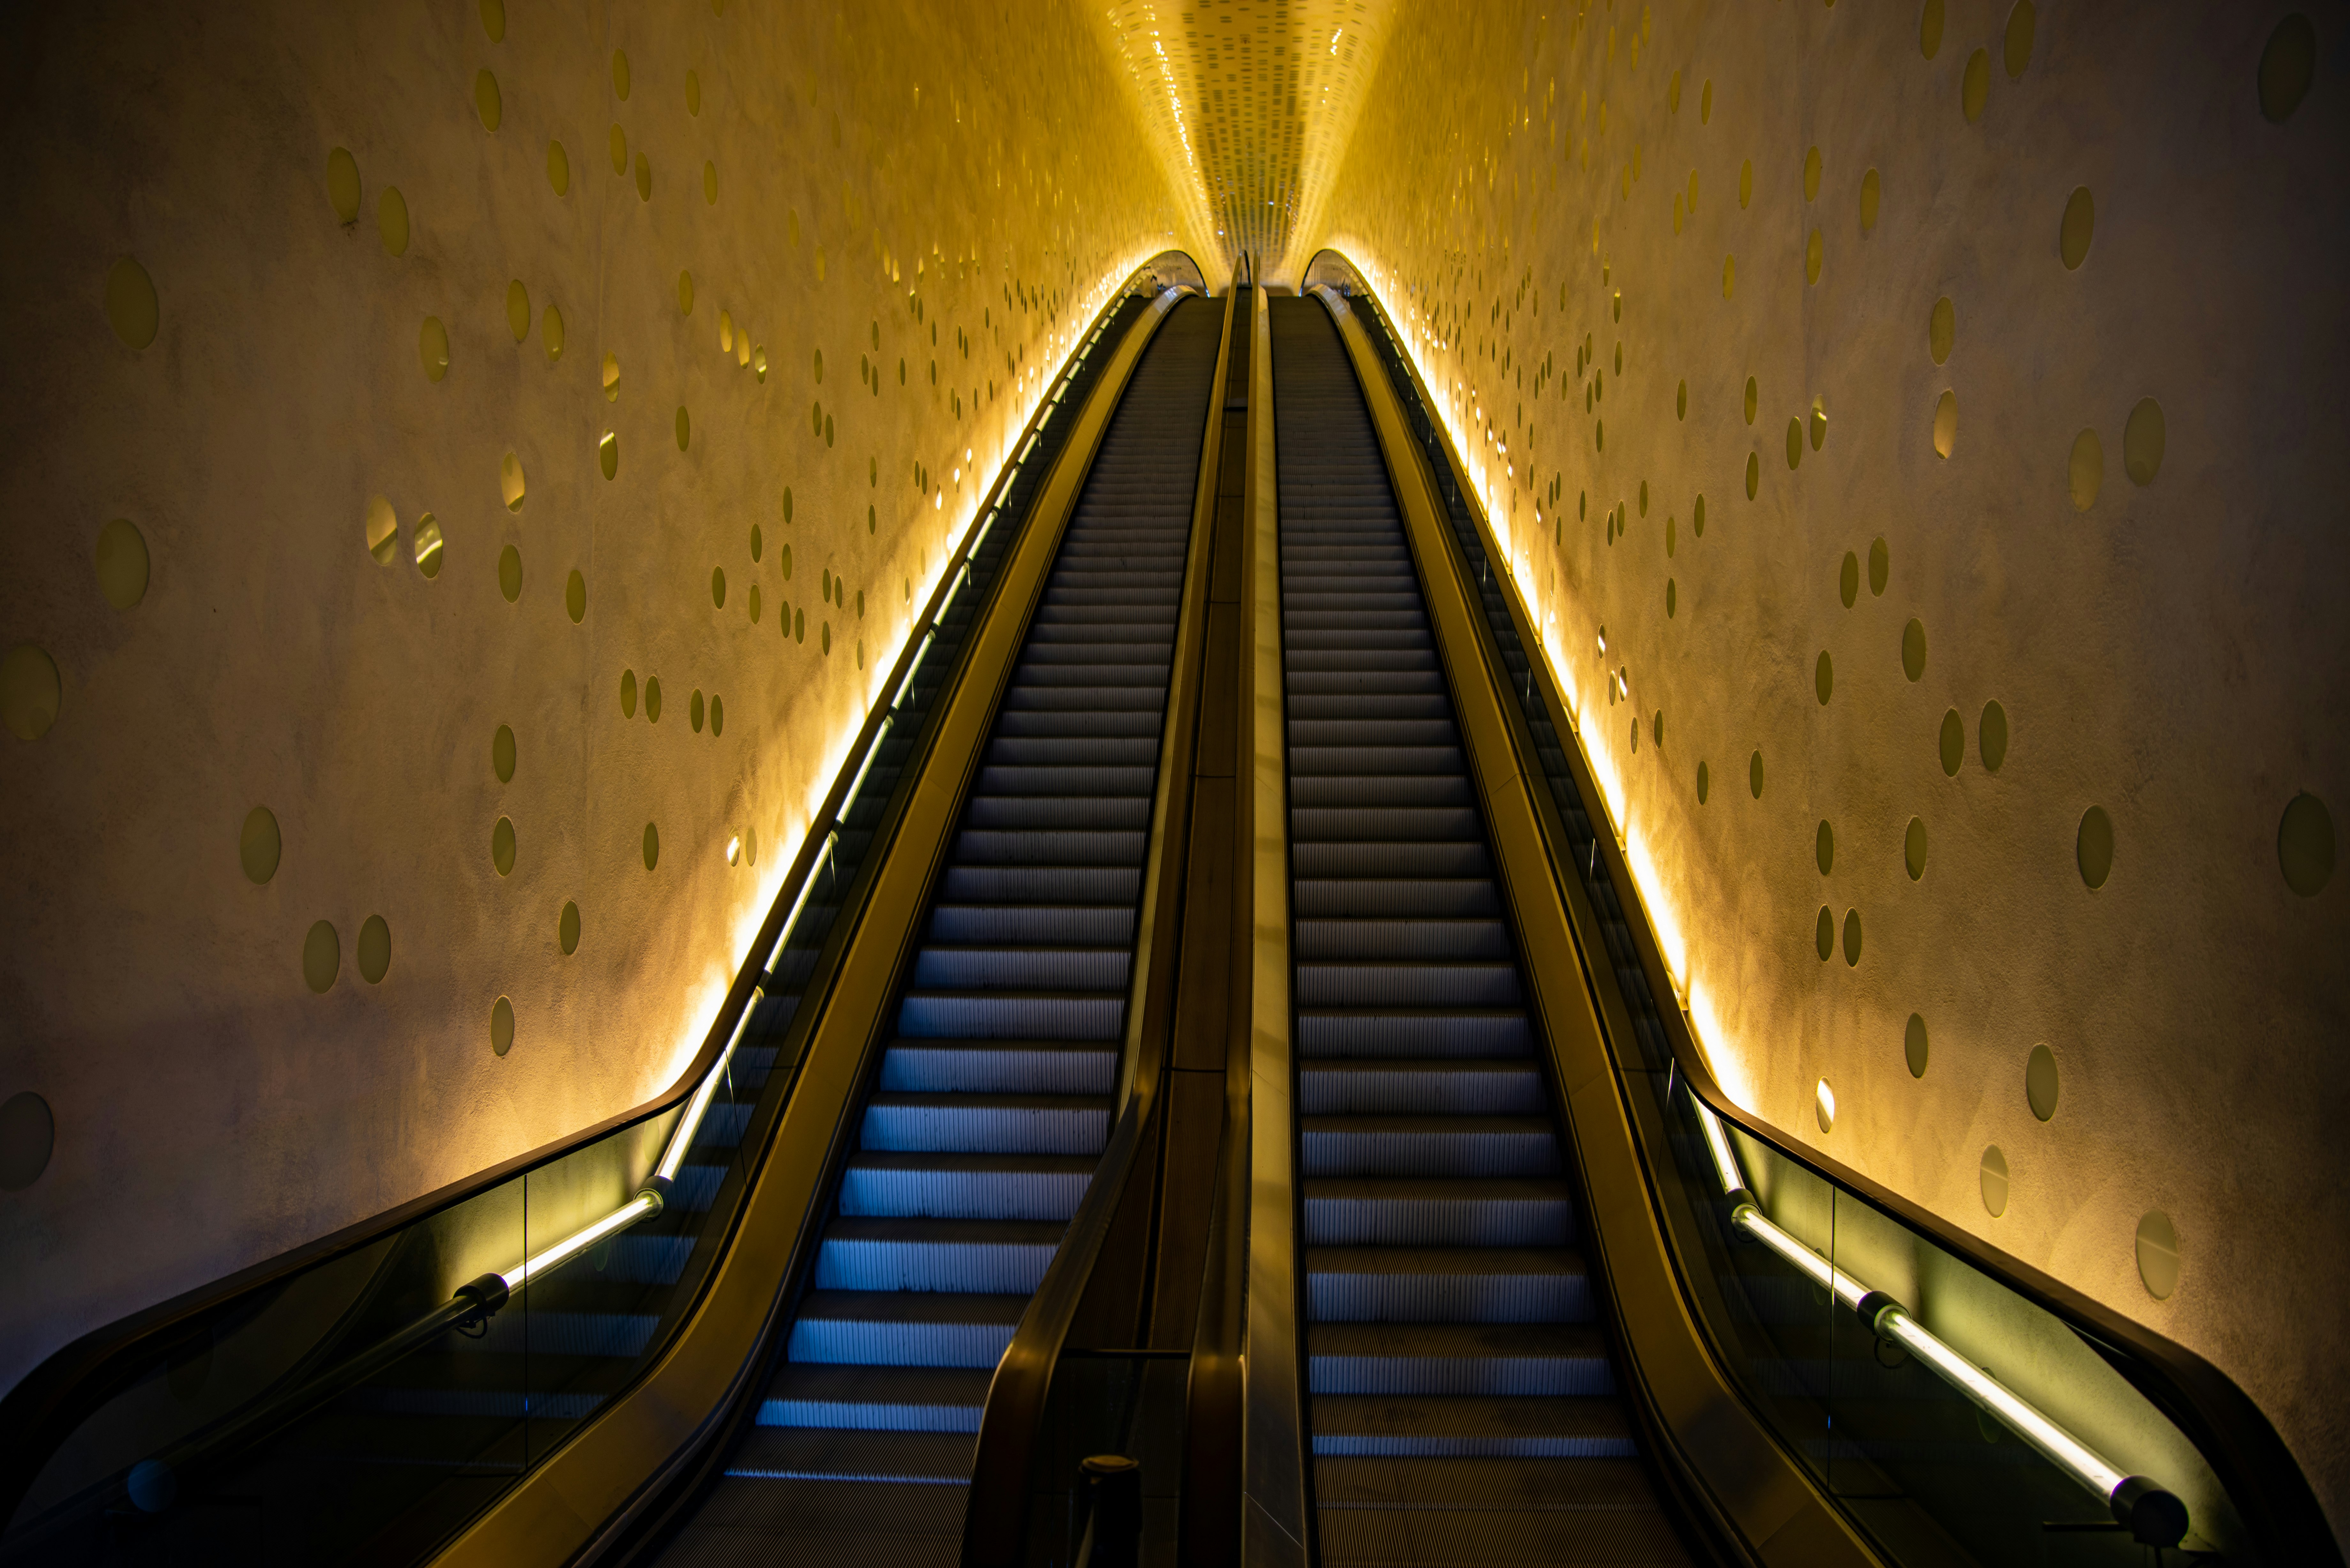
pixel 1916 426
pixel 470 466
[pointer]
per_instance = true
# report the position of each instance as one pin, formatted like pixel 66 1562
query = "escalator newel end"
pixel 659 1188
pixel 484 1297
pixel 1116 1483
pixel 1740 1201
pixel 1872 1308
pixel 2154 1517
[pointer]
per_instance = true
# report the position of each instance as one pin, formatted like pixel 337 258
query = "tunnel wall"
pixel 289 278
pixel 1983 743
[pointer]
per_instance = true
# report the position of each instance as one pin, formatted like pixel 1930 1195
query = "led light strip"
pixel 2154 1517
pixel 654 1196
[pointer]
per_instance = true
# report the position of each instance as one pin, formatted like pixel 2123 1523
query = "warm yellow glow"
pixel 1661 916
pixel 1469 437
pixel 579 1241
pixel 1729 1070
pixel 700 1014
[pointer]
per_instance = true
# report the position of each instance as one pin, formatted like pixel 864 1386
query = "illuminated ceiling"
pixel 1250 103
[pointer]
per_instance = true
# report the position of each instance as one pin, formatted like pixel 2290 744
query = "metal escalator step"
pixel 1307 760
pixel 1447 1284
pixel 1364 628
pixel 1000 1066
pixel 1426 941
pixel 904 1328
pixel 1093 662
pixel 1356 604
pixel 1391 861
pixel 966 1186
pixel 1117 885
pixel 1336 654
pixel 1017 751
pixel 1118 615
pixel 1076 925
pixel 1514 1361
pixel 1314 734
pixel 1066 781
pixel 986 1124
pixel 876 1399
pixel 1112 717
pixel 1396 983
pixel 1011 1016
pixel 1427 1146
pixel 1073 813
pixel 1336 707
pixel 1431 1087
pixel 1043 846
pixel 1438 1426
pixel 1381 791
pixel 1392 1032
pixel 1438 1211
pixel 802 1453
pixel 1443 1486
pixel 983 967
pixel 974 1257
pixel 1098 691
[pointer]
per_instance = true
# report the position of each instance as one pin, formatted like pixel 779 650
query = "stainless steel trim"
pixel 1276 1526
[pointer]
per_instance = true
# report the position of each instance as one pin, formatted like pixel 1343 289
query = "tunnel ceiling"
pixel 1250 104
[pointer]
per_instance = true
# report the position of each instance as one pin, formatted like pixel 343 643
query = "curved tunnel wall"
pixel 1949 475
pixel 678 322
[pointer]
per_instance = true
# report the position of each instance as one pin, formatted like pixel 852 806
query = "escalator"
pixel 380 1398
pixel 966 1123
pixel 1462 1401
pixel 994 1096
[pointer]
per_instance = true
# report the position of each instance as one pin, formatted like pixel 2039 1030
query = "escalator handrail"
pixel 2243 1447
pixel 50 1401
pixel 996 1519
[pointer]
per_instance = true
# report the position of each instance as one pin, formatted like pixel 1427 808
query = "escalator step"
pixel 966 1186
pixel 903 1328
pixel 800 1453
pixel 1470 1427
pixel 1403 1086
pixel 1447 1284
pixel 1624 1530
pixel 966 1122
pixel 1000 1066
pixel 991 1257
pixel 1464 1145
pixel 1490 1361
pixel 876 1399
pixel 1438 1211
